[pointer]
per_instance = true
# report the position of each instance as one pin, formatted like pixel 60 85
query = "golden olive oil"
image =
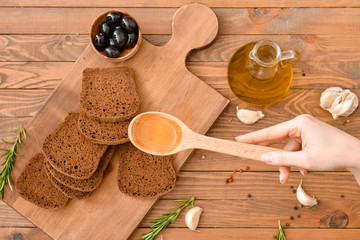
pixel 253 90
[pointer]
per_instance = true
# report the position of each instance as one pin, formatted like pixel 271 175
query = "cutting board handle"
pixel 194 24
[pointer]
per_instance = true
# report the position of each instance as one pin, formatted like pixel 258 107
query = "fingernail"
pixel 266 157
pixel 237 138
pixel 282 178
pixel 303 172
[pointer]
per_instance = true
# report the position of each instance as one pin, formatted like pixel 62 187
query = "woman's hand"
pixel 312 145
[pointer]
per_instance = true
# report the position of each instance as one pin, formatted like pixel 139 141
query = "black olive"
pixel 101 41
pixel 106 29
pixel 111 42
pixel 119 38
pixel 113 18
pixel 128 24
pixel 131 40
pixel 112 52
pixel 118 28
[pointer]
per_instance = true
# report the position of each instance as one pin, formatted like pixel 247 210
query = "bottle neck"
pixel 261 72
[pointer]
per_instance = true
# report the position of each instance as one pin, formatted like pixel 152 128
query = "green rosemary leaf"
pixel 281 234
pixel 10 157
pixel 167 218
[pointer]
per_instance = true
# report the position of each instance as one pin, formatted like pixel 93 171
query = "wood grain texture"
pixel 19 233
pixel 179 3
pixel 263 213
pixel 186 98
pixel 255 234
pixel 312 48
pixel 10 218
pixel 263 185
pixel 46 75
pixel 158 20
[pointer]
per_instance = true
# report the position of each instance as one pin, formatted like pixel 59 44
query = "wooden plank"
pixel 254 234
pixel 313 48
pixel 253 213
pixel 30 75
pixel 179 3
pixel 307 75
pixel 158 20
pixel 263 185
pixel 18 233
pixel 22 103
pixel 10 218
pixel 300 101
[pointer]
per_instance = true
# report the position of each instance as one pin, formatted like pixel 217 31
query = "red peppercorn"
pixel 319 220
pixel 342 123
pixel 234 170
pixel 230 180
pixel 240 171
pixel 230 177
pixel 247 168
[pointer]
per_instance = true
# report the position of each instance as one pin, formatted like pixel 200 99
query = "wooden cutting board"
pixel 164 84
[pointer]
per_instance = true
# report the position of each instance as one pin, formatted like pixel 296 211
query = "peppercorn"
pixel 298 216
pixel 303 74
pixel 286 224
pixel 291 218
pixel 247 168
pixel 291 187
pixel 294 191
pixel 319 220
pixel 230 180
pixel 274 237
pixel 227 180
pixel 295 208
pixel 342 123
pixel 342 195
pixel 234 170
pixel 249 195
pixel 240 171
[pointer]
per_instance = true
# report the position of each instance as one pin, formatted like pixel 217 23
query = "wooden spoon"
pixel 162 134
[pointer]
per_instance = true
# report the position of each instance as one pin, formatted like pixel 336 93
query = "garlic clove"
pixel 328 97
pixel 192 218
pixel 304 198
pixel 339 103
pixel 248 116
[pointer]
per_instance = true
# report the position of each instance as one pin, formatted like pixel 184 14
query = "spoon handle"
pixel 245 150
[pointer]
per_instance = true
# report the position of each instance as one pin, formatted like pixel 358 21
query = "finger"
pixel 291 145
pixel 284 174
pixel 269 135
pixel 284 158
pixel 303 171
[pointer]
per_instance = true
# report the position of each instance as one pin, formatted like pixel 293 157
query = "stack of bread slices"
pixel 76 154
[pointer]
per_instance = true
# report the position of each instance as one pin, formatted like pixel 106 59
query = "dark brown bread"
pixel 34 185
pixel 69 152
pixel 69 192
pixel 143 175
pixel 84 185
pixel 109 94
pixel 109 133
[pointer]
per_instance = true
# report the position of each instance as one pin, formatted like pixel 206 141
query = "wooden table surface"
pixel 41 39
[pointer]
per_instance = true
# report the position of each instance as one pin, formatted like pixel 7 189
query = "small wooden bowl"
pixel 126 53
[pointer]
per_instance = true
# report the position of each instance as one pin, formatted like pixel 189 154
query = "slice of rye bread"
pixel 109 94
pixel 143 175
pixel 84 185
pixel 69 192
pixel 34 185
pixel 69 152
pixel 109 133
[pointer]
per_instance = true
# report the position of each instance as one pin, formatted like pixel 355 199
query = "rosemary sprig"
pixel 167 218
pixel 281 234
pixel 9 157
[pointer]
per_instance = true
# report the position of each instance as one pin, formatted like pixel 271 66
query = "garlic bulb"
pixel 304 198
pixel 192 218
pixel 339 102
pixel 248 116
